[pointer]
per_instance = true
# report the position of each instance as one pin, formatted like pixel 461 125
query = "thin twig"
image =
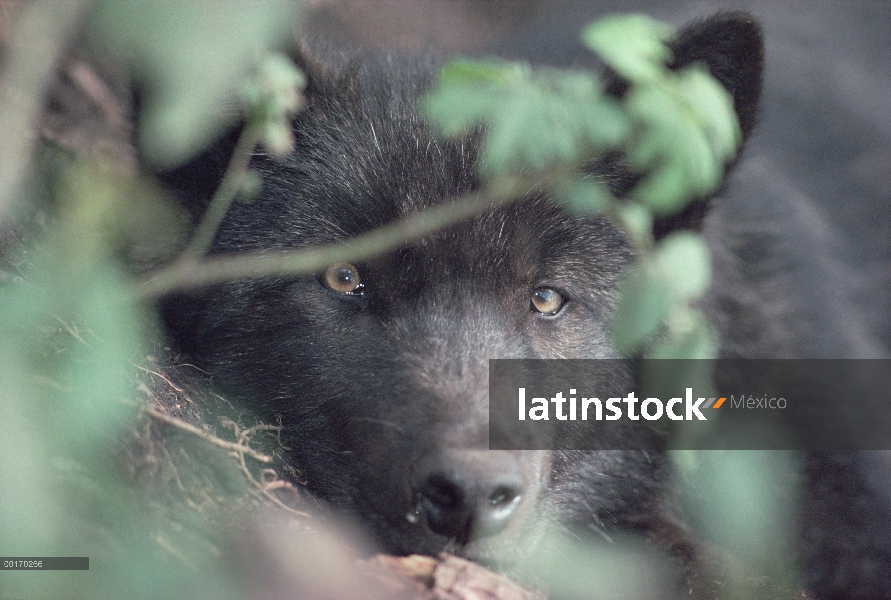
pixel 246 434
pixel 238 448
pixel 267 485
pixel 166 380
pixel 73 332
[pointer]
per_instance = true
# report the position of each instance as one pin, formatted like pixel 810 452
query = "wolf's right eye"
pixel 547 301
pixel 342 278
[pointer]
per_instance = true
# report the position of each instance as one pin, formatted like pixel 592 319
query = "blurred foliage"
pixel 745 503
pixel 192 58
pixel 70 334
pixel 71 331
pixel 537 118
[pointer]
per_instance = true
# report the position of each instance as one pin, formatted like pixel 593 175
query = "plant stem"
pixel 238 166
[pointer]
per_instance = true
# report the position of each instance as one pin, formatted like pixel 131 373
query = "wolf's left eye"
pixel 547 301
pixel 343 278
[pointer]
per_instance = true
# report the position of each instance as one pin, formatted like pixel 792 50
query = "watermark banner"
pixel 733 404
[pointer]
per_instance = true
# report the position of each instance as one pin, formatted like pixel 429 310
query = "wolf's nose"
pixel 468 495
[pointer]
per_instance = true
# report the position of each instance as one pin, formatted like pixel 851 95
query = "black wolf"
pixel 379 369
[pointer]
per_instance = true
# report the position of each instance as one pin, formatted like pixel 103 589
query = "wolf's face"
pixel 379 368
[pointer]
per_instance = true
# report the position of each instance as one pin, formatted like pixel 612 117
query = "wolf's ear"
pixel 730 45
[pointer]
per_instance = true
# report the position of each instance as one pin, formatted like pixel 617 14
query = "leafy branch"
pixel 676 128
pixel 186 274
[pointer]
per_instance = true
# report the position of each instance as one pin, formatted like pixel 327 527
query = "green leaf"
pixel 686 131
pixel 277 137
pixel 193 56
pixel 271 98
pixel 632 45
pixel 29 516
pixel 664 190
pixel 744 501
pixel 533 119
pixel 457 107
pixel 504 143
pixel 654 113
pixel 637 220
pixel 464 71
pixel 657 288
pixel 98 374
pixel 643 304
pixel 605 124
pixel 694 341
pixel 251 185
pixel 665 378
pixel 713 106
pixel 583 196
pixel 682 261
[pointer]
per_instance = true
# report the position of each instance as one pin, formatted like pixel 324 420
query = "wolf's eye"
pixel 342 278
pixel 547 301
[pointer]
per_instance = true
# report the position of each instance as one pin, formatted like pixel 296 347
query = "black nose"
pixel 469 495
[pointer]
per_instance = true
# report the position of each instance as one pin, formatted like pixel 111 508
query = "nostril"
pixel 496 511
pixel 502 496
pixel 441 492
pixel 446 510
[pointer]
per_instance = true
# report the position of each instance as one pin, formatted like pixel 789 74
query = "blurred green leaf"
pixel 99 374
pixel 250 186
pixel 659 286
pixel 744 501
pixel 632 45
pixel 673 146
pixel 637 220
pixel 689 336
pixel 643 304
pixel 569 567
pixel 76 293
pixel 664 190
pixel 682 261
pixel 667 378
pixel 272 98
pixel 713 106
pixel 68 332
pixel 193 56
pixel 464 71
pixel 457 107
pixel 534 119
pixel 29 519
pixel 606 124
pixel 583 196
